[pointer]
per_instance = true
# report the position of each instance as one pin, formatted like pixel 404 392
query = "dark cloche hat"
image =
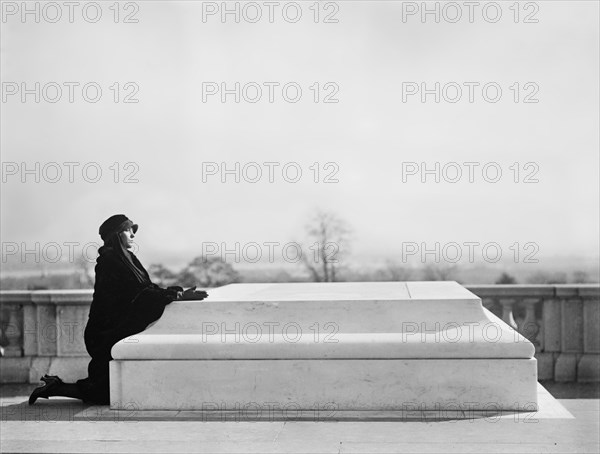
pixel 115 224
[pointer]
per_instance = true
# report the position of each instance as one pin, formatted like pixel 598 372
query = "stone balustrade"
pixel 562 321
pixel 42 331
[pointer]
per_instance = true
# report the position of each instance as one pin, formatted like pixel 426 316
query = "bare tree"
pixel 329 244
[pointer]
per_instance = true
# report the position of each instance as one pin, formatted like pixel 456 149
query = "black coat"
pixel 121 307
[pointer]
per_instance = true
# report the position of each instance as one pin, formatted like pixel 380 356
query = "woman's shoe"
pixel 50 382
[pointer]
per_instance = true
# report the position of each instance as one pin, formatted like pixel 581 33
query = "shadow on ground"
pixel 558 390
pixel 572 390
pixel 14 407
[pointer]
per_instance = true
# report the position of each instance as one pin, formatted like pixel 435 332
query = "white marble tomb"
pixel 343 346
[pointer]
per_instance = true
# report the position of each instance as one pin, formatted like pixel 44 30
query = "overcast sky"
pixel 368 134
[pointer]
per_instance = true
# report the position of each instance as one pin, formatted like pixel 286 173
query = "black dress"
pixel 122 306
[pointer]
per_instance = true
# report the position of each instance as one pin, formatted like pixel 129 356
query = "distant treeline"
pixel 214 272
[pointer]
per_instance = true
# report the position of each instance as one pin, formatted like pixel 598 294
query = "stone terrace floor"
pixel 567 424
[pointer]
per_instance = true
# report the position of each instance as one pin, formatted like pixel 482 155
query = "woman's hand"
pixel 191 294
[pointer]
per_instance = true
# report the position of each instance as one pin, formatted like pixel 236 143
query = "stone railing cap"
pixel 512 290
pixel 567 290
pixel 15 296
pixel 84 296
pixel 62 296
pixel 65 296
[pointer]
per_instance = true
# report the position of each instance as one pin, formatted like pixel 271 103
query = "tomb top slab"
pixel 341 291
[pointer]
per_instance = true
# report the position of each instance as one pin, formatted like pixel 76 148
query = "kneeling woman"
pixel 125 302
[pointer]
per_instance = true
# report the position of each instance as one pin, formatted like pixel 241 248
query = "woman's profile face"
pixel 126 237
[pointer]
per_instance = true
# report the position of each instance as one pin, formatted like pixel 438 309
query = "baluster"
pixel 12 331
pixel 507 311
pixel 530 328
pixel 4 317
